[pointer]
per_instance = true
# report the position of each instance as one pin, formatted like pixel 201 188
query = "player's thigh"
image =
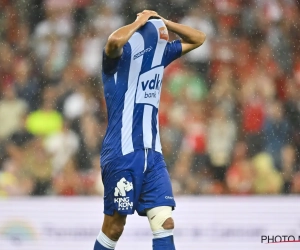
pixel 156 190
pixel 115 220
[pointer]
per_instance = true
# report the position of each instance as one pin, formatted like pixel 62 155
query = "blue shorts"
pixel 136 182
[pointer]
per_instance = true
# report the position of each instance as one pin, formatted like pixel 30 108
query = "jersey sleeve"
pixel 109 65
pixel 172 52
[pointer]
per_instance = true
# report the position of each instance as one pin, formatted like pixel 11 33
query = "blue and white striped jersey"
pixel 132 86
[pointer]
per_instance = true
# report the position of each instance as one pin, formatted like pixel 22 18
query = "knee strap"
pixel 157 216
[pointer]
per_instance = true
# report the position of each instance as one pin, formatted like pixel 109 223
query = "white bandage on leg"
pixel 157 216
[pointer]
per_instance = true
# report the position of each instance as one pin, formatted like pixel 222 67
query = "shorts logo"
pixel 163 33
pixel 123 186
pixel 169 197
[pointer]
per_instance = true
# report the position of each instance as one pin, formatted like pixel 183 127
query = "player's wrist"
pixel 137 21
pixel 168 24
pixel 140 22
pixel 166 21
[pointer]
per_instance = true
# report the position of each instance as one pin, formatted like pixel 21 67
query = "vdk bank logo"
pixel 149 86
pixel 153 84
pixel 123 186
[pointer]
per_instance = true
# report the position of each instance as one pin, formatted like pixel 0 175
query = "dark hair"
pixel 154 17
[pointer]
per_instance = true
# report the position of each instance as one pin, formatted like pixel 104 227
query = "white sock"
pixel 162 233
pixel 105 241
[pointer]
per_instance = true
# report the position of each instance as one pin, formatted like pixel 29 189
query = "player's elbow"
pixel 114 42
pixel 114 46
pixel 201 37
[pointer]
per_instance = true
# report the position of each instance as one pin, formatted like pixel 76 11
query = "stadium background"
pixel 229 112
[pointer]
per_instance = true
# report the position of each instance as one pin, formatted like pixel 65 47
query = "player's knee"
pixel 113 226
pixel 168 224
pixel 160 218
pixel 116 231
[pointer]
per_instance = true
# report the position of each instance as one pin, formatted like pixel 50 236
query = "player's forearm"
pixel 186 33
pixel 121 36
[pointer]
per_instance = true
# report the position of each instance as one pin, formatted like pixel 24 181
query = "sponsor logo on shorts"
pixel 142 53
pixel 123 186
pixel 169 197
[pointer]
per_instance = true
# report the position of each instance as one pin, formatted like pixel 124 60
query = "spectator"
pixel 292 114
pixel 288 167
pixel 46 120
pixel 12 110
pixel 26 86
pixel 253 115
pixel 62 146
pixel 276 132
pixel 187 85
pixel 221 137
pixel 267 179
pixel 296 184
pixel 7 60
pixel 67 181
pixel 18 142
pixel 200 18
pixel 36 163
pixel 239 177
pixel 13 182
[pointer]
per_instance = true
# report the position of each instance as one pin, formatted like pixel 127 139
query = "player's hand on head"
pixel 149 11
pixel 145 15
pixel 154 13
pixel 163 19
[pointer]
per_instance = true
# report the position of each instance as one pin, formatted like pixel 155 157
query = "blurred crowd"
pixel 229 112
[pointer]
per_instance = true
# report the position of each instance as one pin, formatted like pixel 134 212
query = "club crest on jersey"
pixel 123 186
pixel 163 33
